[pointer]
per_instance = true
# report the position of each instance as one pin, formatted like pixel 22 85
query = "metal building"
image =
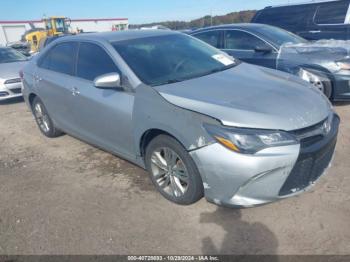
pixel 12 31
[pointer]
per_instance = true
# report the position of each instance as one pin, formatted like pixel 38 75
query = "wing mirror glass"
pixel 263 49
pixel 108 81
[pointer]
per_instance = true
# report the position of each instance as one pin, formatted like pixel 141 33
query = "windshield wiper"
pixel 222 68
pixel 177 80
pixel 216 70
pixel 171 81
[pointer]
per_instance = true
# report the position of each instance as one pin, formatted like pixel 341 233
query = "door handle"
pixel 314 31
pixel 75 91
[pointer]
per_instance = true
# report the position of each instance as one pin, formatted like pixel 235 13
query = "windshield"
pixel 61 25
pixel 280 36
pixel 9 55
pixel 171 58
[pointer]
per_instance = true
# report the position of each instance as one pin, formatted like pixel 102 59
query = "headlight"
pixel 249 141
pixel 13 81
pixel 315 79
pixel 343 64
pixel 310 77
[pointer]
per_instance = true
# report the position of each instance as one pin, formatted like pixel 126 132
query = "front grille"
pixel 16 90
pixel 315 156
pixel 310 135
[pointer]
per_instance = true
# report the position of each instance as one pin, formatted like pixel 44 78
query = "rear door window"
pixel 61 58
pixel 331 13
pixel 239 40
pixel 93 61
pixel 211 37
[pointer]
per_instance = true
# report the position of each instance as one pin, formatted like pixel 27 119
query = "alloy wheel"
pixel 42 118
pixel 169 172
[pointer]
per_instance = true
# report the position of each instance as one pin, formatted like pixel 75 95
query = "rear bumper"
pixel 239 180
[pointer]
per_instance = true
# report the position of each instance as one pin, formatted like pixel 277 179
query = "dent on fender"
pixel 152 111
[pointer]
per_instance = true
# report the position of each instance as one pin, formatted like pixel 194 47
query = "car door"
pixel 53 76
pixel 249 48
pixel 330 21
pixel 102 116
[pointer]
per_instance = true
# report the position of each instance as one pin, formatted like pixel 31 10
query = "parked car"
pixel 264 45
pixel 313 20
pixel 11 62
pixel 22 47
pixel 159 27
pixel 199 121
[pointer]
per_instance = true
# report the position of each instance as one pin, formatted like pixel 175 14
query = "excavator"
pixel 54 26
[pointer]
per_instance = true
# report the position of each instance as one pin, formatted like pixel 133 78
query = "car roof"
pixel 118 35
pixel 302 3
pixel 249 27
pixel 245 26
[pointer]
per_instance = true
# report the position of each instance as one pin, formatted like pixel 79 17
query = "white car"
pixel 11 62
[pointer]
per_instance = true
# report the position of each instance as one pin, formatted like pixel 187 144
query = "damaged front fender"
pixel 153 112
pixel 327 54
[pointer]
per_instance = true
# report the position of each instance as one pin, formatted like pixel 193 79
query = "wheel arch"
pixel 325 73
pixel 31 98
pixel 152 133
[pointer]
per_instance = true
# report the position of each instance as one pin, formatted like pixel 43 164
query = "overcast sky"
pixel 138 11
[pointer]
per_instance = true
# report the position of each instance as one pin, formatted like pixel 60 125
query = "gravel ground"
pixel 62 196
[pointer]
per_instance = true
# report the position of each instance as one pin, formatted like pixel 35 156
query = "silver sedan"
pixel 11 62
pixel 202 123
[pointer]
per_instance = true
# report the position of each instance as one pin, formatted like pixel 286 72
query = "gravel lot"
pixel 62 196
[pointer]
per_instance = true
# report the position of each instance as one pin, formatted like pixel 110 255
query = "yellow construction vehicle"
pixel 57 25
pixel 54 26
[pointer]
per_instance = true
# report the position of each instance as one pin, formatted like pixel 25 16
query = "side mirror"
pixel 263 49
pixel 108 81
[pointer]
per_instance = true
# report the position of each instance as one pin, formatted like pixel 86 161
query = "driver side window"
pixel 210 37
pixel 93 61
pixel 239 40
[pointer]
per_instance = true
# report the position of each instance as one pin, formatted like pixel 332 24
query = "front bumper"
pixel 341 87
pixel 239 180
pixel 10 91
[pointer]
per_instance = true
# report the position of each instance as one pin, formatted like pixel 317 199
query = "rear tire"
pixel 173 171
pixel 43 119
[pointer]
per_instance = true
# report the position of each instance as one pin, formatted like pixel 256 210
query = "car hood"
pixel 11 70
pixel 252 97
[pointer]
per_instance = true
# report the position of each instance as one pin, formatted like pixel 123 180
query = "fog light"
pixel 2 94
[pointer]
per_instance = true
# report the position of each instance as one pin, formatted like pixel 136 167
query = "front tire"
pixel 43 119
pixel 172 171
pixel 327 89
